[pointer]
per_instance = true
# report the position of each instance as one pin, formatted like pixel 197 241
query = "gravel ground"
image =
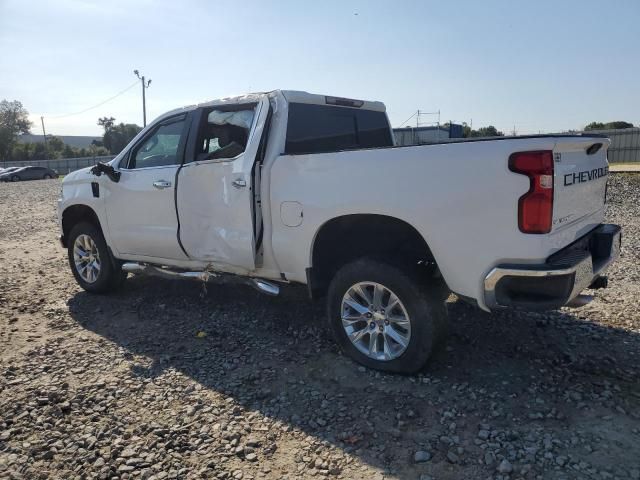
pixel 127 386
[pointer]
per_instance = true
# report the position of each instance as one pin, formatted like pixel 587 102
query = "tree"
pixel 106 123
pixel 96 151
pixel 69 152
pixel 116 137
pixel 608 126
pixel 489 131
pixel 39 152
pixel 22 151
pixel 54 146
pixel 14 120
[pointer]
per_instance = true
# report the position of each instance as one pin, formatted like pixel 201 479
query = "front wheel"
pixel 47 177
pixel 386 317
pixel 90 260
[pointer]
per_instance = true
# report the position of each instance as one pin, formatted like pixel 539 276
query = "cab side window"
pixel 160 148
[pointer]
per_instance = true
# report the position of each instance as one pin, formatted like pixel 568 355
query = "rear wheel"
pixel 15 178
pixel 90 260
pixel 385 317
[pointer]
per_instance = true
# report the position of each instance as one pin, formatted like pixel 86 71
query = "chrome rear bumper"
pixel 560 279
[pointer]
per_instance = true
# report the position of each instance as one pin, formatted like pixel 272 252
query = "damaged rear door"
pixel 214 192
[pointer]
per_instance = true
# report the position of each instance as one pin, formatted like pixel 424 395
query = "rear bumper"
pixel 560 279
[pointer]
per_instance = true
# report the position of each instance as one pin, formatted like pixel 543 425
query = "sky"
pixel 535 66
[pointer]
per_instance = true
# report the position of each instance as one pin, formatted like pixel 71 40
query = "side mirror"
pixel 108 170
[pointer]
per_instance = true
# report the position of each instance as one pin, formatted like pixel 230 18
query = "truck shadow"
pixel 275 356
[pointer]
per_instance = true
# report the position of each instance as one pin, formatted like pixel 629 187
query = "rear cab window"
pixel 316 128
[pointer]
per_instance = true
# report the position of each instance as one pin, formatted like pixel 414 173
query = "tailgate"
pixel 581 170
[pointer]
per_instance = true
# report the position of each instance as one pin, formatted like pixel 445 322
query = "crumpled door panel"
pixel 215 204
pixel 215 216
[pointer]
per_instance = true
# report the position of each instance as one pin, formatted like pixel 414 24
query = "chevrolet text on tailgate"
pixel 286 186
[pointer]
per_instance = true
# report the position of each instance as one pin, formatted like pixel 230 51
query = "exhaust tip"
pixel 265 287
pixel 580 301
pixel 132 267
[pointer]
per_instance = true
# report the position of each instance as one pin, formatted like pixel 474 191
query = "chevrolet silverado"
pixel 290 187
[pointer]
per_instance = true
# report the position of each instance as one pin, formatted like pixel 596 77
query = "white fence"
pixel 625 144
pixel 624 148
pixel 60 165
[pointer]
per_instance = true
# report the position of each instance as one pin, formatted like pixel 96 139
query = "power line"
pixel 418 113
pixel 97 105
pixel 414 114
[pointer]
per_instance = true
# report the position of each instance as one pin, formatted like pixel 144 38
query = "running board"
pixel 144 269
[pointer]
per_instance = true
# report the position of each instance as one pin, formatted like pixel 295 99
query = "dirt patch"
pixel 121 386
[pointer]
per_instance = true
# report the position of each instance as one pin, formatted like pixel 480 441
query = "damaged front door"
pixel 141 206
pixel 215 189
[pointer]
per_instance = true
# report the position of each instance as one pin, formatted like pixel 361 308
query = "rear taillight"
pixel 535 208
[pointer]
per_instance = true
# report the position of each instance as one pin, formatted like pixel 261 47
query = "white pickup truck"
pixel 286 186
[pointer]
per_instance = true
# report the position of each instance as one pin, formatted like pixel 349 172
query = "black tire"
pixel 47 176
pixel 423 299
pixel 110 276
pixel 15 178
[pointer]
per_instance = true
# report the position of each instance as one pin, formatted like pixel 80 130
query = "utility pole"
pixel 44 134
pixel 144 102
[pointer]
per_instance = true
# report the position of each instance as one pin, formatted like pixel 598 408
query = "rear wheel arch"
pixel 346 238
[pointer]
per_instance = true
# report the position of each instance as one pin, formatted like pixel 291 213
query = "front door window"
pixel 160 149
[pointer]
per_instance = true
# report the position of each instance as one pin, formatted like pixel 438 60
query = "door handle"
pixel 239 183
pixel 161 184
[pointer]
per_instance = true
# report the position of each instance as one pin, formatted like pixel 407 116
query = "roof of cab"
pixel 296 96
pixel 291 96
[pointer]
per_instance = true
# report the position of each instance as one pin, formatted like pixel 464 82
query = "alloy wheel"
pixel 375 321
pixel 86 258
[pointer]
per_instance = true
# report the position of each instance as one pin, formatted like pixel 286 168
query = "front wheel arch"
pixel 75 214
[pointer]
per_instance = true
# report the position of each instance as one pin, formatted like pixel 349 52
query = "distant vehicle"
pixel 27 173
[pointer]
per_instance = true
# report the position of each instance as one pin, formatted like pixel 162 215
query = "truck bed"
pixel 460 196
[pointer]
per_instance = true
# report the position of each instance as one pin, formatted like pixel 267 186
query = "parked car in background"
pixel 8 169
pixel 28 173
